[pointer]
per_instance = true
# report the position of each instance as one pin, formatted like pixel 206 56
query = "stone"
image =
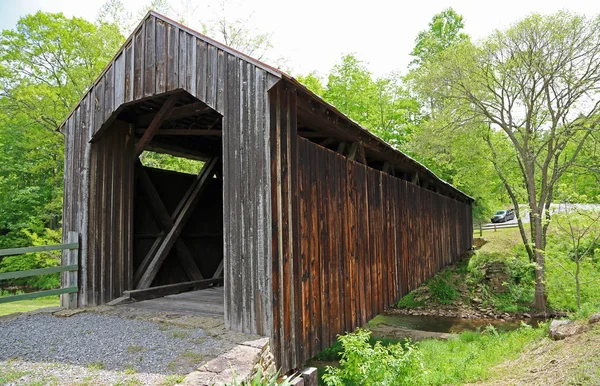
pixel 595 318
pixel 561 329
pixel 69 313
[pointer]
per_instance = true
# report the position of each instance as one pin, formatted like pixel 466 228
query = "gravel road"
pixel 100 343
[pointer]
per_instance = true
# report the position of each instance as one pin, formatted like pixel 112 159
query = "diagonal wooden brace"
pixel 166 223
pixel 157 122
pixel 182 214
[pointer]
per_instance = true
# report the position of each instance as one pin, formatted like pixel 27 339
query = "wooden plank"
pixel 119 77
pixel 211 77
pixel 40 294
pixel 315 274
pixel 109 84
pixel 170 289
pixel 150 57
pixel 39 271
pixel 138 63
pixel 172 57
pixel 201 65
pixel 180 221
pixel 41 248
pixel 190 76
pixel 161 56
pixel 129 71
pixel 182 67
pixel 155 125
pixel 69 300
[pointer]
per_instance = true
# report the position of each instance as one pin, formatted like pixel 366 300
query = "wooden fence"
pixel 69 287
pixel 480 227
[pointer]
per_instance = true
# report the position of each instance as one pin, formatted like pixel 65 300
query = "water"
pixel 448 324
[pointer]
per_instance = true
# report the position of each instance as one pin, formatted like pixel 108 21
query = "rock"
pixel 477 300
pixel 595 318
pixel 527 316
pixel 560 329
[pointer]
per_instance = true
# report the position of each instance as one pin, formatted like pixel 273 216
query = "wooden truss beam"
pixel 177 151
pixel 181 215
pixel 215 133
pixel 166 224
pixel 157 122
pixel 175 113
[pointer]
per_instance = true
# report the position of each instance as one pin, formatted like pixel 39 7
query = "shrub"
pixel 442 288
pixel 366 364
pixel 409 301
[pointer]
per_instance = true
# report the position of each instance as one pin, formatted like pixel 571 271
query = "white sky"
pixel 314 34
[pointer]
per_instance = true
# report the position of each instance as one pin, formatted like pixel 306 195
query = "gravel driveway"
pixel 95 348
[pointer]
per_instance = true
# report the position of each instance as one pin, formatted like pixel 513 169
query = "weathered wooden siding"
pixel 162 57
pixel 108 258
pixel 359 240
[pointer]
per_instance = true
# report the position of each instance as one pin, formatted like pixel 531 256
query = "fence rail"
pixel 69 288
pixel 479 228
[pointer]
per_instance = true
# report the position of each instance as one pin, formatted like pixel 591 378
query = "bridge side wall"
pixel 361 240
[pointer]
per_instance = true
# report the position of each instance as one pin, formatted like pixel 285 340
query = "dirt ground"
pixel 572 361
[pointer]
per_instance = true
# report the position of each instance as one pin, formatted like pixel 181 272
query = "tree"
pixel 537 83
pixel 382 105
pixel 581 229
pixel 458 155
pixel 49 61
pixel 444 31
pixel 46 64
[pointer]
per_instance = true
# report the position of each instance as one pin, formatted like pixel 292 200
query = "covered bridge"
pixel 312 224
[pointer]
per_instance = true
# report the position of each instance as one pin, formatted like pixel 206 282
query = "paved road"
pixel 555 208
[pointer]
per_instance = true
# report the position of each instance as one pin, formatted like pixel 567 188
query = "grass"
pixel 9 376
pixel 171 380
pixel 29 305
pixel 95 366
pixel 179 334
pixel 502 241
pixel 471 357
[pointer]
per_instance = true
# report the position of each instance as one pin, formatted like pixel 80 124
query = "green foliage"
pixel 36 260
pixel 46 64
pixel 382 105
pixel 444 31
pixel 470 357
pixel 409 301
pixel 261 380
pixel 169 162
pixel 430 362
pixel 520 285
pixel 336 350
pixel 366 364
pixel 443 287
pixel 573 260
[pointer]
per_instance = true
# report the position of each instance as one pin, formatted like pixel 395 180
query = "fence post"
pixel 69 301
pixel 480 230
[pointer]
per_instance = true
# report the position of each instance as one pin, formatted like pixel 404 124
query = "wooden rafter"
pixel 181 215
pixel 157 122
pixel 166 223
pixel 353 150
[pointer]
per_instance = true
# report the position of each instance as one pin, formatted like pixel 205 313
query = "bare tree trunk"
pixel 577 283
pixel 540 268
